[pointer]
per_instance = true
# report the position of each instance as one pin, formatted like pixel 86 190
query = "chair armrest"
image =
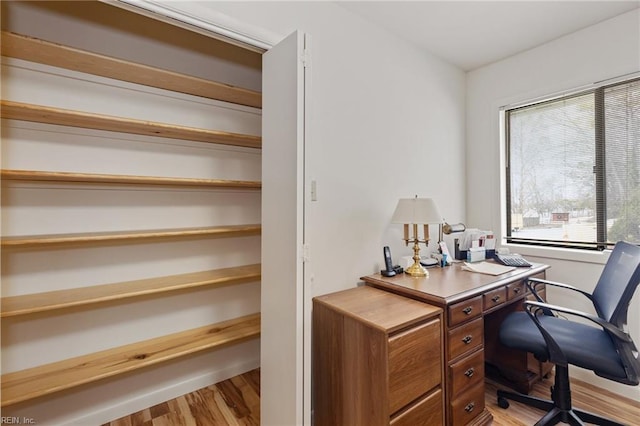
pixel 555 353
pixel 532 288
pixel 558 284
pixel 610 328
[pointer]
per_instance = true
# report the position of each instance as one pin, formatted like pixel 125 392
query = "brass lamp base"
pixel 417 270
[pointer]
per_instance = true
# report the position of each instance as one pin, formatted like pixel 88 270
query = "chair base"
pixel 559 408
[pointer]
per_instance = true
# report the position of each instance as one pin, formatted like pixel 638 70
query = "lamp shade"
pixel 416 211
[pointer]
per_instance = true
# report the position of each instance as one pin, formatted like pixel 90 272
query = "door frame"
pixel 206 21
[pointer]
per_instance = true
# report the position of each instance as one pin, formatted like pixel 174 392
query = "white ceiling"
pixel 470 34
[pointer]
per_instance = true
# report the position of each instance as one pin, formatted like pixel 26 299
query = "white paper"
pixel 487 268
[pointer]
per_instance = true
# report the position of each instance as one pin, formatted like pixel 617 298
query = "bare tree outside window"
pixel 552 173
pixel 622 130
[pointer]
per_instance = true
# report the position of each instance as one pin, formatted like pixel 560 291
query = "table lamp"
pixel 416 211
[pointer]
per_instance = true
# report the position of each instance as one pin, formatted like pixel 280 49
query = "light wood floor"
pixel 583 395
pixel 237 402
pixel 232 402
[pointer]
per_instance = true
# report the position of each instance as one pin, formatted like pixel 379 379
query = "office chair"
pixel 605 348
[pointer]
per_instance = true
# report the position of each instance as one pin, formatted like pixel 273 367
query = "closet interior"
pixel 131 199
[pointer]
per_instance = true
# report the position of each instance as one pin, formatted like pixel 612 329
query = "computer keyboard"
pixel 512 260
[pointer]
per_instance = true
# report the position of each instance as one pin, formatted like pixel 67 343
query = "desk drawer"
pixel 426 412
pixel 464 311
pixel 466 373
pixel 468 405
pixel 414 363
pixel 466 338
pixel 515 290
pixel 493 298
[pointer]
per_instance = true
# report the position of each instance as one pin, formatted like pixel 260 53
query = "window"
pixel 573 169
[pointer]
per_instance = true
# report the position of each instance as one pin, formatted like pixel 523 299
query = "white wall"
pixel 387 121
pixel 603 51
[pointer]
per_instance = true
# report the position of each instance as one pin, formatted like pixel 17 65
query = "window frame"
pixel 598 90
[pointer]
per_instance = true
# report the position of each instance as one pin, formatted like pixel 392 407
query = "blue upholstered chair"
pixel 564 336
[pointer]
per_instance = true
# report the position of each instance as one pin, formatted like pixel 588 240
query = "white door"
pixel 284 385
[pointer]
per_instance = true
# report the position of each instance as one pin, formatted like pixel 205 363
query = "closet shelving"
pixel 44 52
pixel 65 117
pixel 20 386
pixel 43 380
pixel 57 240
pixel 44 176
pixel 63 299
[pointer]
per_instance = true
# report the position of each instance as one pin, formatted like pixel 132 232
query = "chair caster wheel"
pixel 502 402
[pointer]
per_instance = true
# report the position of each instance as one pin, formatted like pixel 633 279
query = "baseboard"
pixel 164 394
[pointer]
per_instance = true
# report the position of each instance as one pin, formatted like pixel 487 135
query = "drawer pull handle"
pixel 467 339
pixel 469 372
pixel 469 408
pixel 517 290
pixel 467 310
pixel 495 299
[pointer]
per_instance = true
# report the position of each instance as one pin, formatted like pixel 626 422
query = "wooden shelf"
pixel 45 241
pixel 65 117
pixel 43 380
pixel 44 52
pixel 94 178
pixel 63 299
pixel 39 381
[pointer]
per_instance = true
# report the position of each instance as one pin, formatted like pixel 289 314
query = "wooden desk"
pixel 474 305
